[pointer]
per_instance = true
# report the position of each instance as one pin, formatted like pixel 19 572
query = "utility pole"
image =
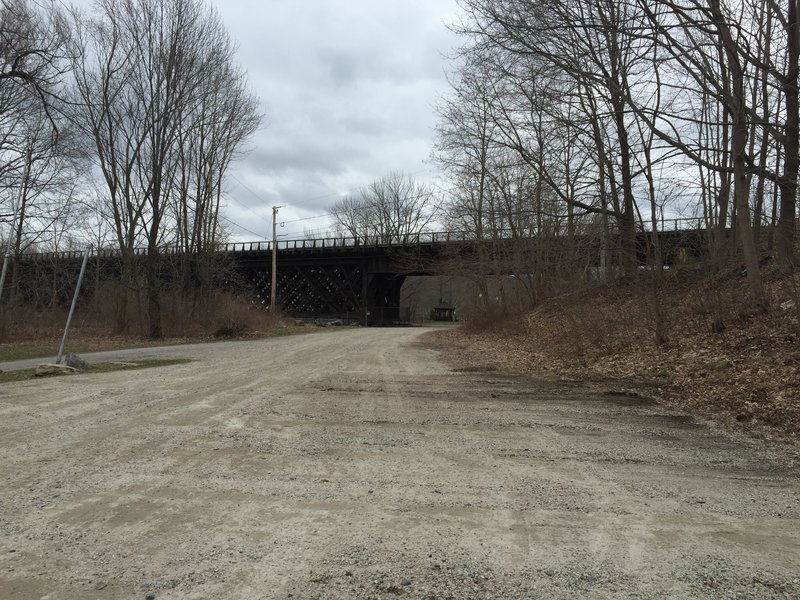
pixel 274 284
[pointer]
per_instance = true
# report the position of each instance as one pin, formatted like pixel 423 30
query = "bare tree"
pixel 37 151
pixel 389 209
pixel 32 64
pixel 166 111
pixel 582 52
pixel 465 142
pixel 703 39
pixel 224 117
pixel 32 49
pixel 354 217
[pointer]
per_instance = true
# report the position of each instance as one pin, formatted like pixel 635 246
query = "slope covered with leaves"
pixel 722 359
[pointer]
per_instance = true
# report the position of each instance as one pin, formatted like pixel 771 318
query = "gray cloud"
pixel 348 88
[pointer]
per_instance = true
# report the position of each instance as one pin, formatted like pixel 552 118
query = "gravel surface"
pixel 357 464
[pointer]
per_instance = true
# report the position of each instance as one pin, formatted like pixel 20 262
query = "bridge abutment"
pixel 382 298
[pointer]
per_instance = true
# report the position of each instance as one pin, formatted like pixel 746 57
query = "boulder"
pixel 76 362
pixel 52 369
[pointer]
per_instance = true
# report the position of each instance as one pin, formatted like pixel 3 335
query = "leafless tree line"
pixel 389 208
pixel 608 114
pixel 127 116
pixel 38 151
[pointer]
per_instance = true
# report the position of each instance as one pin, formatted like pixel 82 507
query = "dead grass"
pixel 80 341
pixel 222 316
pixel 91 339
pixel 722 359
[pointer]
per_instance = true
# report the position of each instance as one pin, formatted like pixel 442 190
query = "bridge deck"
pixel 363 243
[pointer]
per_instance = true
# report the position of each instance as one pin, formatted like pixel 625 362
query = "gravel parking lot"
pixel 356 463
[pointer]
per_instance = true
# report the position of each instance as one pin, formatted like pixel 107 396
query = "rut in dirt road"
pixel 358 464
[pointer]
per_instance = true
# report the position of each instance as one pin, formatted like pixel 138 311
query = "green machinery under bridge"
pixel 346 278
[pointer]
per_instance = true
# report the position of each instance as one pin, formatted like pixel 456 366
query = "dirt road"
pixel 357 464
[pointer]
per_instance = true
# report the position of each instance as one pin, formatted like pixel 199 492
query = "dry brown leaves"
pixel 747 376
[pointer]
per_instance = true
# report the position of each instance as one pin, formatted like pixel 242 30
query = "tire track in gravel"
pixel 347 463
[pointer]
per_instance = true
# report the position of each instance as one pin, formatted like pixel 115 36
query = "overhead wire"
pixel 331 213
pixel 239 226
pixel 242 205
pixel 321 197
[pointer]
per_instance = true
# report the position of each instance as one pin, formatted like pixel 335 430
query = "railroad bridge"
pixel 349 278
pixel 361 278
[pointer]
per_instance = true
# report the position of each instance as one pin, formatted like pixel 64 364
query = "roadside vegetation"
pixel 118 124
pixel 719 358
pixel 629 171
pixel 38 334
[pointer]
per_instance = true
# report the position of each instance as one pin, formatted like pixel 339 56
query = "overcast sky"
pixel 348 89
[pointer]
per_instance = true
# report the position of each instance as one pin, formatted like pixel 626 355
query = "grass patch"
pixel 106 367
pixel 48 349
pixel 81 343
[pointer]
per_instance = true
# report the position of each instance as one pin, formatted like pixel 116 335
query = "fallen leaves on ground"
pixel 746 376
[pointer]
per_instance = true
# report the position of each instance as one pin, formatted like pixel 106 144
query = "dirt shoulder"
pixel 742 386
pixel 721 360
pixel 182 349
pixel 359 464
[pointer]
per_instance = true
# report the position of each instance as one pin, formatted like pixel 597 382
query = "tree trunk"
pixel 739 131
pixel 784 241
pixel 741 192
pixel 153 291
pixel 627 221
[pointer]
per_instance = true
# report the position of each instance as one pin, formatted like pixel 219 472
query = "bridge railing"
pixel 369 241
pixel 672 225
pixel 362 242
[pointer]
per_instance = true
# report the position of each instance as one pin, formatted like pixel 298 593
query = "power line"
pixel 242 227
pixel 245 186
pixel 328 214
pixel 332 213
pixel 245 207
pixel 255 195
